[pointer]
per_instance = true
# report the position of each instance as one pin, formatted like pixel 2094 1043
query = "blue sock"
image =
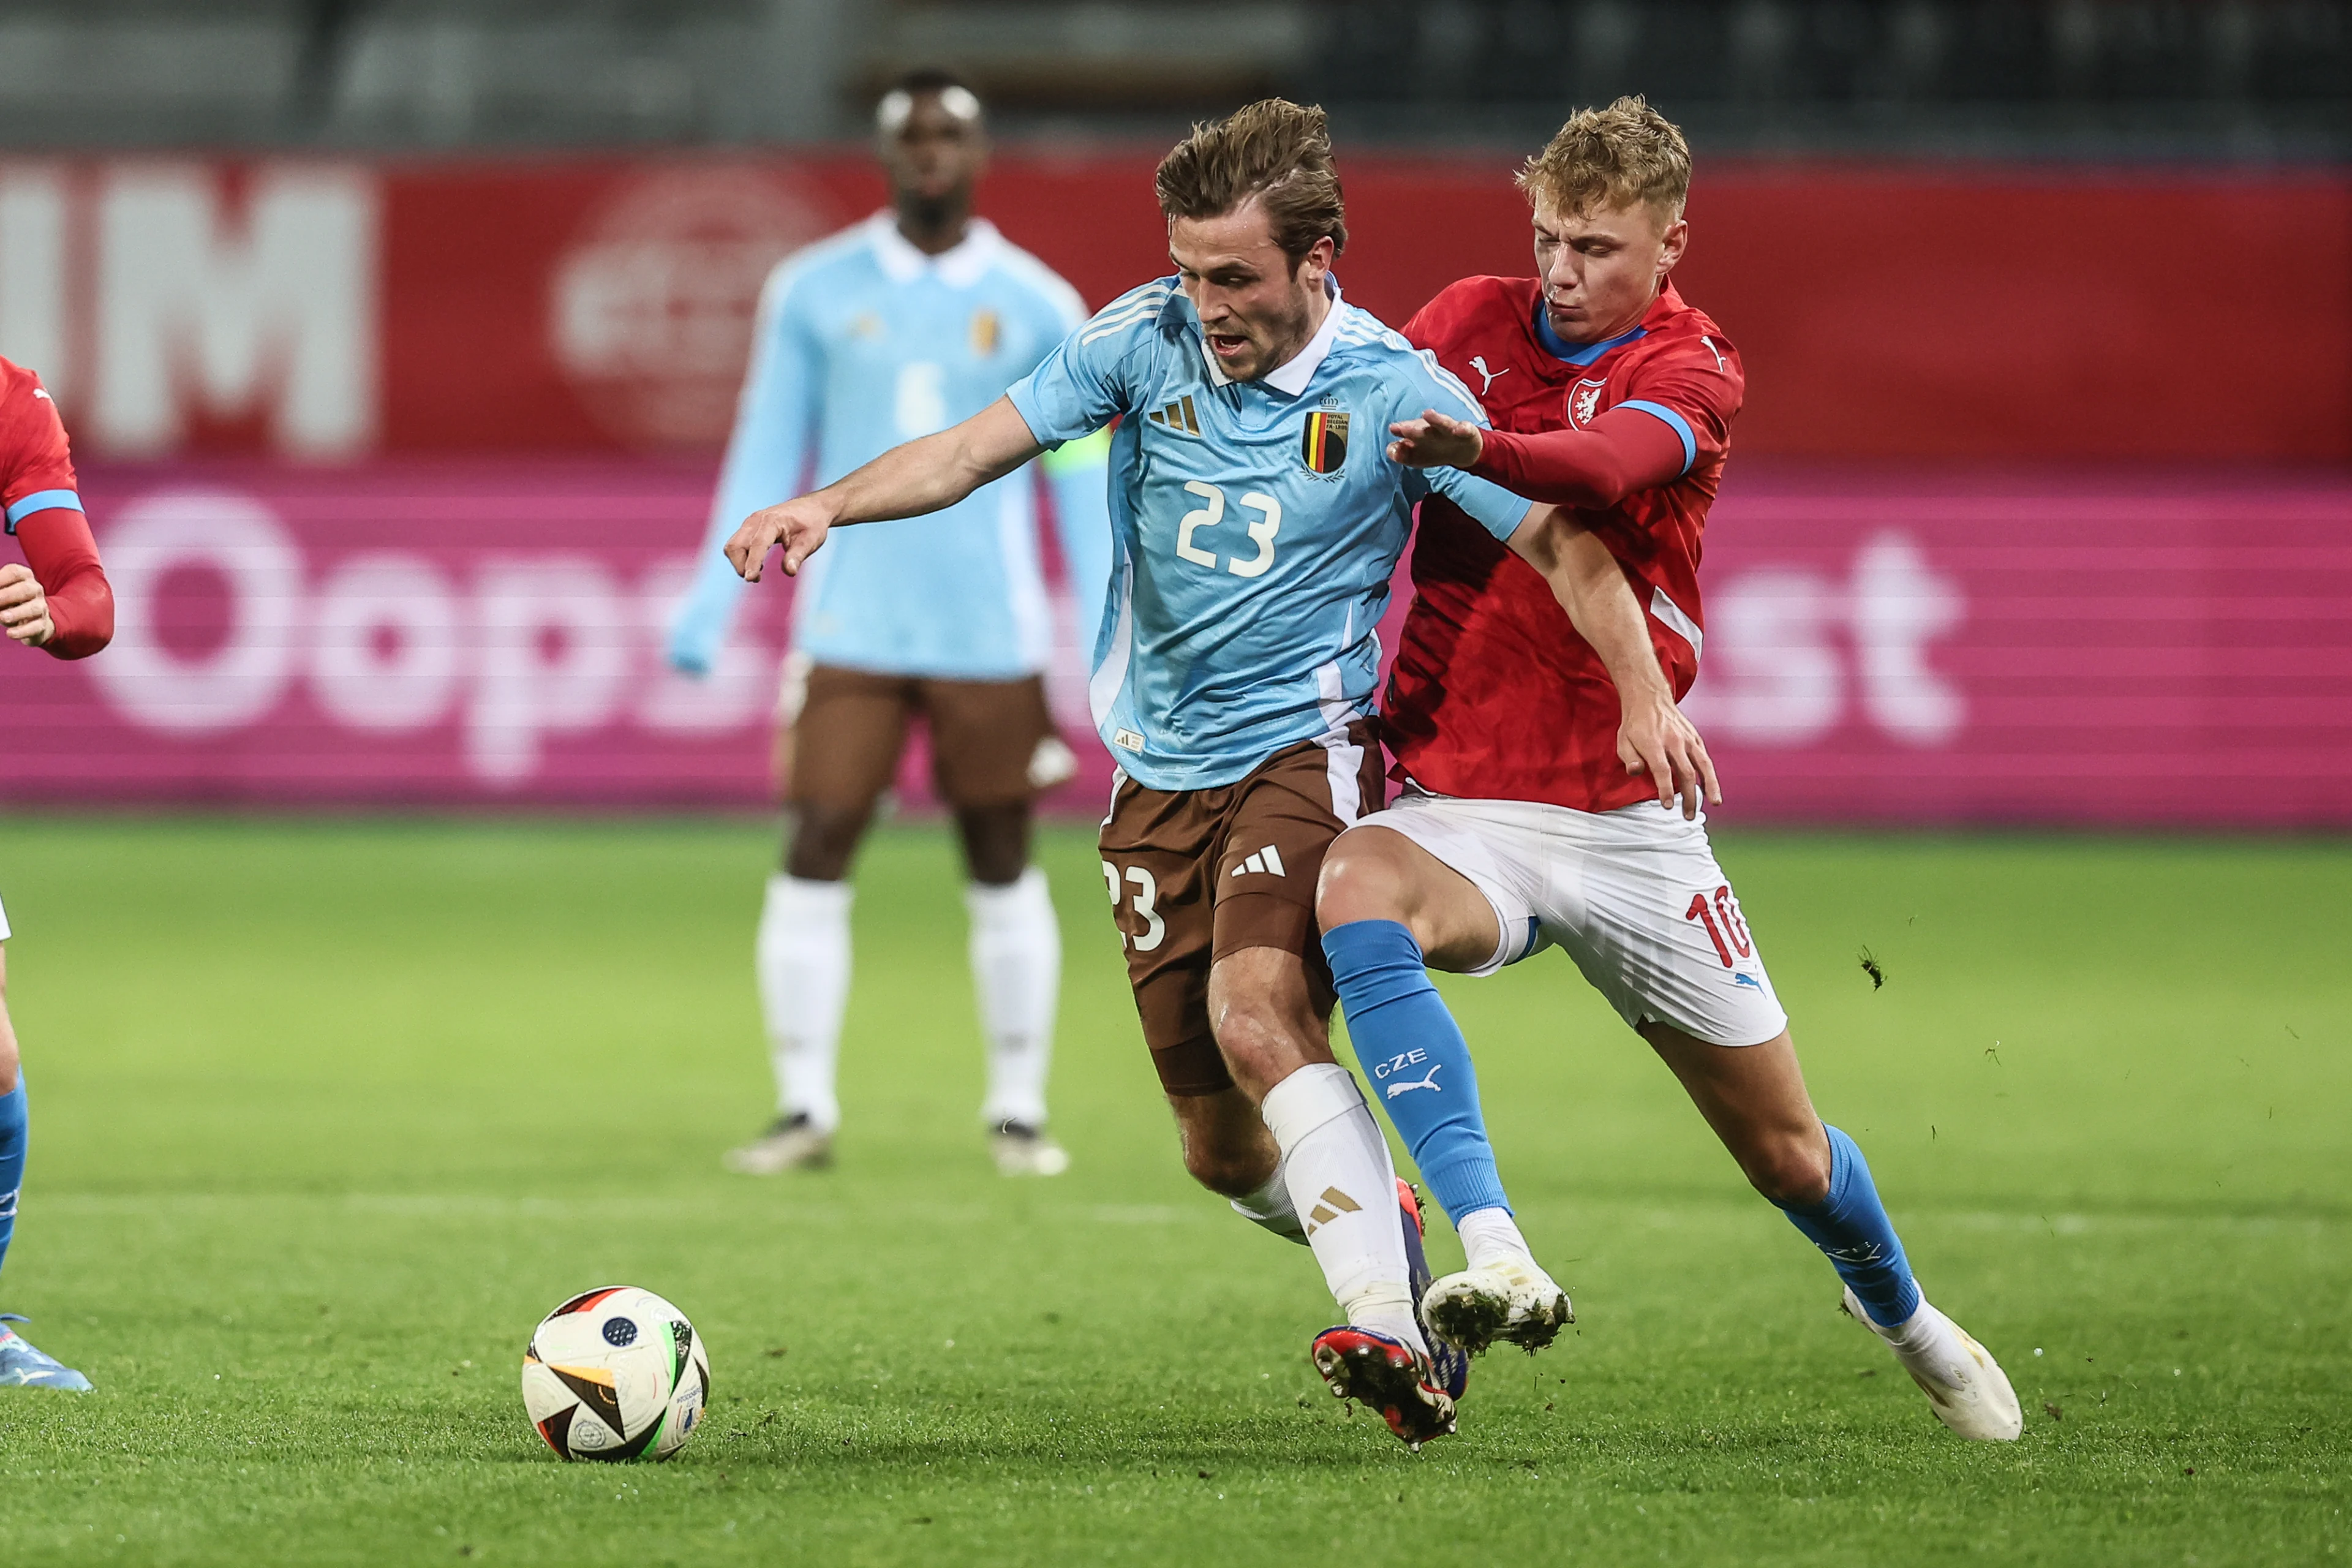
pixel 1850 1225
pixel 1418 1061
pixel 12 1124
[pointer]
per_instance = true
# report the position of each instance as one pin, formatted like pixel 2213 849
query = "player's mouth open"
pixel 1227 345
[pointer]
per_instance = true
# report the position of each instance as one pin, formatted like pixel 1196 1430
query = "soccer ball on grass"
pixel 616 1373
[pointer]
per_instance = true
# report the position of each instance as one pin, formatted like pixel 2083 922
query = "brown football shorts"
pixel 850 726
pixel 1197 874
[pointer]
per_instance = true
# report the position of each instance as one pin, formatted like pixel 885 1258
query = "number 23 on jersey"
pixel 1202 519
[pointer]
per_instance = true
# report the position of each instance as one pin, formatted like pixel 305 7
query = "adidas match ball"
pixel 616 1373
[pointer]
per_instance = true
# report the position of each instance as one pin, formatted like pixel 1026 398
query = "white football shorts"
pixel 1633 896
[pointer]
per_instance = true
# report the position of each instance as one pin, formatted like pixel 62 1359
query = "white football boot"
pixel 793 1143
pixel 1513 1301
pixel 1964 1385
pixel 1022 1150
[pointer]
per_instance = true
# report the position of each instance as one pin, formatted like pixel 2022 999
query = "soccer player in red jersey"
pixel 1520 825
pixel 60 604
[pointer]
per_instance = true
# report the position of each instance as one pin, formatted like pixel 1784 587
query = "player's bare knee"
pixel 1790 1170
pixel 824 842
pixel 1363 878
pixel 7 1056
pixel 995 841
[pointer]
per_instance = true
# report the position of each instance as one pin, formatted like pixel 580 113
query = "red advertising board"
pixel 2032 647
pixel 347 309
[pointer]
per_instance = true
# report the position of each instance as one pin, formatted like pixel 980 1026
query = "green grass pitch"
pixel 328 1114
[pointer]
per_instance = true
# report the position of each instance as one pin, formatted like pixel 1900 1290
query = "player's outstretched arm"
pixel 1435 441
pixel 921 476
pixel 1625 450
pixel 1654 738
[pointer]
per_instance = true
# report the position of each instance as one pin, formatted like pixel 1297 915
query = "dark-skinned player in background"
pixel 55 600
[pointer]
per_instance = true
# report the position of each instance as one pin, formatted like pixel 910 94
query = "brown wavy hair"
pixel 1274 151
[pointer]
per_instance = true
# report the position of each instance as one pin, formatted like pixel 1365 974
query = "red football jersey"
pixel 41 506
pixel 1494 695
pixel 36 467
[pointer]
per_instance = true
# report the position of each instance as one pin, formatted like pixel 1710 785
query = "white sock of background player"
pixel 803 960
pixel 1342 1181
pixel 1016 969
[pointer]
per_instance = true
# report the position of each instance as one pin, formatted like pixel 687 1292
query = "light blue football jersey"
pixel 1254 525
pixel 862 342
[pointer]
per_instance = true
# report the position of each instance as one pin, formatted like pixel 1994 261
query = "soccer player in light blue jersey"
pixel 1257 520
pixel 898 326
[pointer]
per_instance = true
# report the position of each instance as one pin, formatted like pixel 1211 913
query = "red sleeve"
pixel 64 559
pixel 1674 416
pixel 1625 450
pixel 35 460
pixel 39 499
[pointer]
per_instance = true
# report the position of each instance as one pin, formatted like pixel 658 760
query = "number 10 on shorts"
pixel 1722 921
pixel 1147 901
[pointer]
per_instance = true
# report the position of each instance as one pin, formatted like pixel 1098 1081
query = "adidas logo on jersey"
pixel 1266 860
pixel 1178 418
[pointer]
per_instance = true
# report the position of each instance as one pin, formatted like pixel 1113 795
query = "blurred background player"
pixel 902 325
pixel 1521 826
pixel 56 600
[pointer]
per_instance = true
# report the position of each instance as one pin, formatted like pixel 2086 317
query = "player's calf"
pixel 1417 1060
pixel 1849 1226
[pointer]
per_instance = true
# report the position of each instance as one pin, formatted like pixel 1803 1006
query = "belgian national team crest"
pixel 1325 448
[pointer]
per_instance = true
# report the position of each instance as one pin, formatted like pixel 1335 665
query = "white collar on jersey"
pixel 1291 376
pixel 960 267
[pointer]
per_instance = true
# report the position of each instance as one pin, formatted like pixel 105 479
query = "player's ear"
pixel 1672 245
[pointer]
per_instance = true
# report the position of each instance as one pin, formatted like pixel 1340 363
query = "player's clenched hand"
pixel 799 525
pixel 24 608
pixel 1657 741
pixel 1435 441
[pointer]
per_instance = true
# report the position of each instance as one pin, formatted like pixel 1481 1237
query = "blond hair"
pixel 1273 150
pixel 1613 157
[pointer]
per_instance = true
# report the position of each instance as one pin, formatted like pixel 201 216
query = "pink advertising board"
pixel 1901 646
pixel 430 634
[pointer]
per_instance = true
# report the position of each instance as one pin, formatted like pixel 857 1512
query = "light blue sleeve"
pixel 766 457
pixel 1080 475
pixel 1430 385
pixel 1494 508
pixel 1085 383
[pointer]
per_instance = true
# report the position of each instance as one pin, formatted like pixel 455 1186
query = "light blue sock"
pixel 1418 1061
pixel 1850 1226
pixel 12 1124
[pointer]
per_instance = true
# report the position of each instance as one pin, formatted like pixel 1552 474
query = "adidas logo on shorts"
pixel 1266 860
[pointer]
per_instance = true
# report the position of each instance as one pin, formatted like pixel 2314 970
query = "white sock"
pixel 1016 968
pixel 803 960
pixel 1490 1238
pixel 1271 1208
pixel 1341 1179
